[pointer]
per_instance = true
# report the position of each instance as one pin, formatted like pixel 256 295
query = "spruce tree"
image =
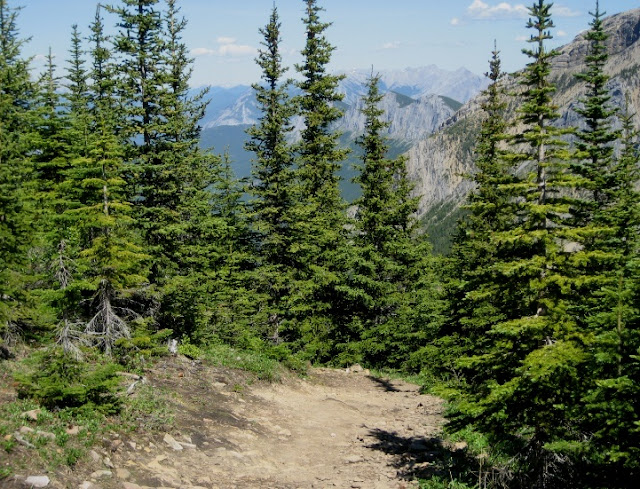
pixel 110 262
pixel 318 221
pixel 142 89
pixel 389 262
pixel 612 405
pixel 185 229
pixel 593 167
pixel 477 296
pixel 531 368
pixel 17 98
pixel 272 190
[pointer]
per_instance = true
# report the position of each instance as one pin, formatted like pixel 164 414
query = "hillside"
pixel 438 163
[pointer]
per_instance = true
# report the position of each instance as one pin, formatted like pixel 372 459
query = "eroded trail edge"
pixel 333 429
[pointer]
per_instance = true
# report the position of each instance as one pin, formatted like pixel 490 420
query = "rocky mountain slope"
pixel 438 163
pixel 417 102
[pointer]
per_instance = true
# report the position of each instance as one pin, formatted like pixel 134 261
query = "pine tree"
pixel 110 262
pixel 612 405
pixel 272 190
pixel 16 142
pixel 318 221
pixel 389 262
pixel 531 363
pixel 185 228
pixel 477 297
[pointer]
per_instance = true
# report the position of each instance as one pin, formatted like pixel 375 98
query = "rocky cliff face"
pixel 411 119
pixel 438 164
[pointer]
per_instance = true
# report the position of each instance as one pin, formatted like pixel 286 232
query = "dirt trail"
pixel 331 430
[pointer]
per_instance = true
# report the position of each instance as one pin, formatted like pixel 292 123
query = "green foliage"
pixel 17 103
pixel 148 410
pixel 55 380
pixel 258 363
pixel 188 349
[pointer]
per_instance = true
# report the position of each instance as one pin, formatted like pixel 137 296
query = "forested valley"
pixel 120 234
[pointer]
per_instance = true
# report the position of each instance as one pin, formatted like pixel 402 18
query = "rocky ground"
pixel 333 429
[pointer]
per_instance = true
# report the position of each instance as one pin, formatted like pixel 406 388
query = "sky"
pixel 223 35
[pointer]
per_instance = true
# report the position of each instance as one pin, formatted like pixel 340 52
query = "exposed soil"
pixel 333 429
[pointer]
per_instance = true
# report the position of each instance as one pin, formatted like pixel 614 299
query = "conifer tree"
pixel 16 106
pixel 594 167
pixel 612 405
pixel 475 292
pixel 78 93
pixel 142 88
pixel 110 261
pixel 185 228
pixel 272 190
pixel 319 239
pixel 531 369
pixel 388 263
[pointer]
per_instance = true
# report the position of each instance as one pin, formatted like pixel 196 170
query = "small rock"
pixel 123 474
pixel 115 444
pixel 46 434
pixel 353 459
pixel 8 437
pixel 37 481
pixel 133 445
pixel 72 431
pixel 171 441
pixel 130 485
pixel 32 415
pixel 25 429
pixel 108 463
pixel 459 446
pixel 187 438
pixel 95 456
pixel 187 445
pixel 87 485
pixel 101 474
pixel 354 369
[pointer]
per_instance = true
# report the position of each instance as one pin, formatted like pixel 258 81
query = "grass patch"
pixel 148 410
pixel 257 363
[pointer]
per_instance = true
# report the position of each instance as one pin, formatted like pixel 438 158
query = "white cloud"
pixel 503 10
pixel 390 45
pixel 455 21
pixel 236 50
pixel 557 11
pixel 227 48
pixel 522 38
pixel 226 40
pixel 202 52
pixel 561 34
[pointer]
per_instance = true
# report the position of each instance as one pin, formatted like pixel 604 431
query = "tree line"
pixel 118 231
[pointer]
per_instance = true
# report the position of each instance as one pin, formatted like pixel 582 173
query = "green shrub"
pixel 56 380
pixel 188 349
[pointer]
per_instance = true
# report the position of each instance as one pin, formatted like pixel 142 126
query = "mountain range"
pixel 417 101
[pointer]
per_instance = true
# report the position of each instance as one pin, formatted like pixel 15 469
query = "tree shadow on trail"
pixel 385 384
pixel 419 457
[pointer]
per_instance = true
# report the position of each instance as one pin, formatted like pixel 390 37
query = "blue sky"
pixel 386 34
